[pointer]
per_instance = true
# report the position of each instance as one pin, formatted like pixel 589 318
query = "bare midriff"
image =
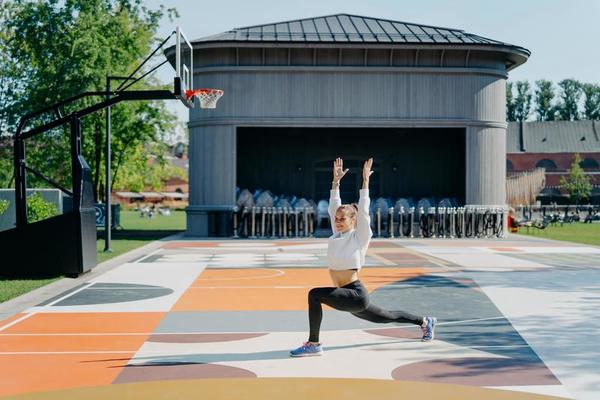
pixel 343 277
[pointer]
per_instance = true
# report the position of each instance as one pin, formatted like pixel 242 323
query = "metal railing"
pixel 433 222
pixel 274 222
pixel 440 222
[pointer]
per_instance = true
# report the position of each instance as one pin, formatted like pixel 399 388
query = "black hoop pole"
pixel 20 182
pixel 107 165
pixel 107 211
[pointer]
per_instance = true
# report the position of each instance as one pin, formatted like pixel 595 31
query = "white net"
pixel 208 97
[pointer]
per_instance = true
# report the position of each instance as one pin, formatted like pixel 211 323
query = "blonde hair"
pixel 350 210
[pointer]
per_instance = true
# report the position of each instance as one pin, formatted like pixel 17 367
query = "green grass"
pixel 136 232
pixel 130 220
pixel 575 232
pixel 11 288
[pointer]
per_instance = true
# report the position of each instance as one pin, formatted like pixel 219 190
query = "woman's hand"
pixel 367 172
pixel 338 171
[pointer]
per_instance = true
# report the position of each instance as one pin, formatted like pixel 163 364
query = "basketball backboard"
pixel 184 68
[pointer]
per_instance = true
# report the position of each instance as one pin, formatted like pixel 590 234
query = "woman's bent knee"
pixel 314 294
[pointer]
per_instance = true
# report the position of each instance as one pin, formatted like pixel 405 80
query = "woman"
pixel 346 250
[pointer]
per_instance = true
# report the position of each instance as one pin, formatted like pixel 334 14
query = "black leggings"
pixel 353 297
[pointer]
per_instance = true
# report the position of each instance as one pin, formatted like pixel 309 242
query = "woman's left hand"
pixel 367 169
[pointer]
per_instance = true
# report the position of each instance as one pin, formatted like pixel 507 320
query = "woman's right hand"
pixel 338 170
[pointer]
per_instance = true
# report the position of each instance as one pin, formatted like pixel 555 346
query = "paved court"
pixel 216 319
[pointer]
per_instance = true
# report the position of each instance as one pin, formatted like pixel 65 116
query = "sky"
pixel 561 35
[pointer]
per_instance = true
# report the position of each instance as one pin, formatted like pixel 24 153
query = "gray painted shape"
pixel 256 321
pixel 62 294
pixel 105 293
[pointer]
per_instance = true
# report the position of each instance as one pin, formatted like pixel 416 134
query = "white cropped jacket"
pixel 348 250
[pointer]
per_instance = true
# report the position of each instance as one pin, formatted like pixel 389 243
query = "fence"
pixel 524 187
pixel 438 222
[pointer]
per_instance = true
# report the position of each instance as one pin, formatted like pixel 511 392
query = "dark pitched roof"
pixel 554 137
pixel 351 28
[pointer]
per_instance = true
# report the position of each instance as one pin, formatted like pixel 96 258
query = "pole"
pixel 107 215
pixel 107 155
pixel 20 182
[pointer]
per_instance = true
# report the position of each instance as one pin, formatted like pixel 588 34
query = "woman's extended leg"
pixel 378 315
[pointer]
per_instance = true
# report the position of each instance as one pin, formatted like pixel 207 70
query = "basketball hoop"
pixel 208 97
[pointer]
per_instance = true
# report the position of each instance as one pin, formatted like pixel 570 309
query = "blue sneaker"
pixel 307 350
pixel 429 329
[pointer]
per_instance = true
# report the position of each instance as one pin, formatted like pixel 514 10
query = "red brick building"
pixel 552 145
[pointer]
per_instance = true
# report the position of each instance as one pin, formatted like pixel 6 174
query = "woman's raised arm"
pixel 363 220
pixel 334 199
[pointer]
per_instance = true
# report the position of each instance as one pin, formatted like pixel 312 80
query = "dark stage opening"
pixel 408 162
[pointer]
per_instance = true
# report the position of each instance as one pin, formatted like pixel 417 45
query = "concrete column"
pixel 486 166
pixel 212 177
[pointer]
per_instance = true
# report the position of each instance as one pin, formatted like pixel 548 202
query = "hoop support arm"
pixel 122 96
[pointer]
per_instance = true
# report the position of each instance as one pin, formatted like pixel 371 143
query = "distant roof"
pixel 353 29
pixel 130 195
pixel 554 137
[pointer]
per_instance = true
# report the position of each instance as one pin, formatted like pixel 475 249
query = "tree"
pixel 5 66
pixel 8 90
pixel 58 49
pixel 577 184
pixel 591 103
pixel 544 94
pixel 510 102
pixel 523 101
pixel 141 165
pixel 570 96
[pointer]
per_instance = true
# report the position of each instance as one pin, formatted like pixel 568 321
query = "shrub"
pixel 39 209
pixel 4 206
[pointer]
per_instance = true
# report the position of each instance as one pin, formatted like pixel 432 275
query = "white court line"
pixel 130 333
pixel 294 287
pixel 500 347
pixel 151 254
pixel 9 353
pixel 251 287
pixel 471 320
pixel 126 288
pixel 381 259
pixel 31 314
pixel 278 273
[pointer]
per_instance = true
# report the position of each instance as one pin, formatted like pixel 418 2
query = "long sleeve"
pixel 363 220
pixel 334 202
